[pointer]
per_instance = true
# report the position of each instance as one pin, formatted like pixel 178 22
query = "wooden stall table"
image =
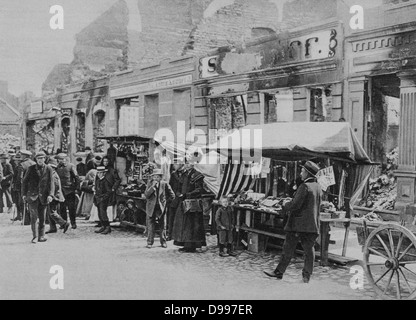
pixel 325 225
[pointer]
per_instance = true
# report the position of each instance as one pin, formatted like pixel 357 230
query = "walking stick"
pixel 24 214
pixel 14 211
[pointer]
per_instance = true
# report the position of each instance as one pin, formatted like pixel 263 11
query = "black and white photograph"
pixel 208 155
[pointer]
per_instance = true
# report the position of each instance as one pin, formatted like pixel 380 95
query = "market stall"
pixel 132 158
pixel 259 215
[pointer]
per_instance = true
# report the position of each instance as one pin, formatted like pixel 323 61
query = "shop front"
pixel 294 77
pixel 155 97
pixel 381 84
pixel 144 101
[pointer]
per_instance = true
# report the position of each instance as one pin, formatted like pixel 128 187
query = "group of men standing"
pixel 12 170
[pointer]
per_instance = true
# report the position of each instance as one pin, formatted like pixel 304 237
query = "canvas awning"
pixel 293 141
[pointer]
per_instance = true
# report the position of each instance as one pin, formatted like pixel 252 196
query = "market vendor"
pixel 302 223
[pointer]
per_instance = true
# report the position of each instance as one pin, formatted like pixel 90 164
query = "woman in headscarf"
pixel 188 227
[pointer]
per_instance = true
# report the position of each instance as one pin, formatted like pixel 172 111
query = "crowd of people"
pixel 50 187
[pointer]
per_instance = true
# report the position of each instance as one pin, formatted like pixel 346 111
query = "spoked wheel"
pixel 390 262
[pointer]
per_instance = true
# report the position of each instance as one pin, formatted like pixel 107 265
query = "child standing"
pixel 225 226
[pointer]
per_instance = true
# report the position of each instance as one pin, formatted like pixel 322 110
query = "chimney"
pixel 4 89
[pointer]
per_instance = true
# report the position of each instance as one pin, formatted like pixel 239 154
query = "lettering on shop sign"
pixel 319 45
pixel 151 86
pixel 357 20
pixel 208 67
pixel 57 20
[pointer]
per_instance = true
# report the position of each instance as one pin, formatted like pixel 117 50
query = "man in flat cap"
pixel 81 167
pixel 70 182
pixel 17 189
pixel 303 222
pixel 38 190
pixel 58 198
pixel 6 182
pixel 25 164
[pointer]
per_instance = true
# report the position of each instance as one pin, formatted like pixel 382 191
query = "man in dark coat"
pixel 70 183
pixel 106 185
pixel 81 168
pixel 157 194
pixel 6 182
pixel 188 228
pixel 17 189
pixel 175 183
pixel 303 222
pixel 58 198
pixel 38 190
pixel 89 155
pixel 26 163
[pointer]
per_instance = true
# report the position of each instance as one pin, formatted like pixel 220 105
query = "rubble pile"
pixel 383 190
pixel 7 141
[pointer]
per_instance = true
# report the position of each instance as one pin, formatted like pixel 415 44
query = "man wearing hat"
pixel 58 198
pixel 70 182
pixel 17 189
pixel 157 194
pixel 81 167
pixel 106 183
pixel 6 182
pixel 38 190
pixel 25 164
pixel 89 154
pixel 303 222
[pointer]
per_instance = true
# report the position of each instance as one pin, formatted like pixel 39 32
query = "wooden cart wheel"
pixel 390 262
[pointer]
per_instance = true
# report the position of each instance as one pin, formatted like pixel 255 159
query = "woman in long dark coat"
pixel 188 227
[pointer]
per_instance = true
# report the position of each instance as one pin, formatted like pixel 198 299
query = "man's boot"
pixel 230 251
pixel 222 253
pixel 101 230
pixel 107 230
pixel 51 231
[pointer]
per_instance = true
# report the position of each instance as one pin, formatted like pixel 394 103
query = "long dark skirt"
pixel 188 229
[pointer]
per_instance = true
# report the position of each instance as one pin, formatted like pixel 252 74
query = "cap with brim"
pixel 98 158
pixel 79 159
pixel 62 156
pixel 101 169
pixel 17 157
pixel 157 172
pixel 4 156
pixel 53 163
pixel 40 155
pixel 26 153
pixel 311 167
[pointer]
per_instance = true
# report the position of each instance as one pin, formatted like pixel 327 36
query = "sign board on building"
pixel 36 107
pixel 208 67
pixel 151 86
pixel 272 53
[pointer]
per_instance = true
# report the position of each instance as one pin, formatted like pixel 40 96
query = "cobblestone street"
pixel 119 266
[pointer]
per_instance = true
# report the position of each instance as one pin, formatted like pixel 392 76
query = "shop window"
pixel 65 134
pixel 129 113
pixel 99 130
pixel 321 104
pixel 229 112
pixel 151 114
pixel 279 107
pixel 80 132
